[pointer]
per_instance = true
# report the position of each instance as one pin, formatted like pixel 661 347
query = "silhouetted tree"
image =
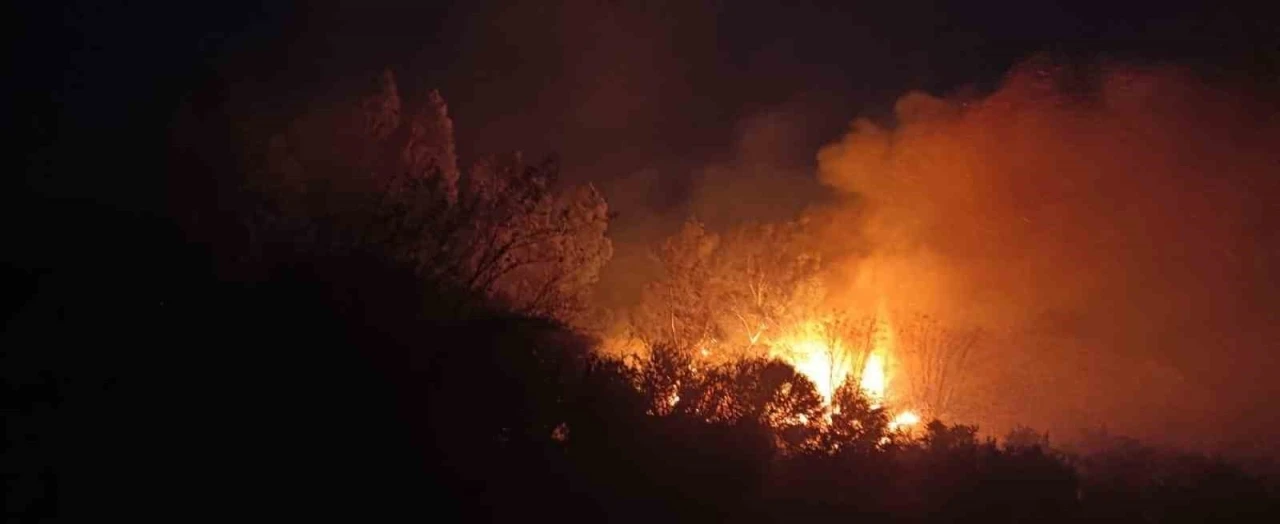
pixel 677 311
pixel 856 425
pixel 937 359
pixel 730 295
pixel 1023 437
pixel 376 174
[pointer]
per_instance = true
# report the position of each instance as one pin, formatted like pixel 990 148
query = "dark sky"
pixel 615 88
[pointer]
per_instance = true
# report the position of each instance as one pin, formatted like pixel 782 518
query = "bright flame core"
pixel 813 359
pixel 822 365
pixel 874 381
pixel 906 418
pixel 828 366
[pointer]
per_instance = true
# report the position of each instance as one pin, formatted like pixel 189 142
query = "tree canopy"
pixel 382 173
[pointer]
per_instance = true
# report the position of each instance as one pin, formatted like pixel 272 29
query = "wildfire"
pixel 813 359
pixel 874 381
pixel 906 418
pixel 828 367
pixel 827 364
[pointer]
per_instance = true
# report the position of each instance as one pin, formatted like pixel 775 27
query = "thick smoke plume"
pixel 1111 227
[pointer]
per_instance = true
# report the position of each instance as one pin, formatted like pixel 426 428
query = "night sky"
pixel 657 103
pixel 614 88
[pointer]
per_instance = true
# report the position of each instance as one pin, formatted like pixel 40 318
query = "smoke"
pixel 1110 226
pixel 766 175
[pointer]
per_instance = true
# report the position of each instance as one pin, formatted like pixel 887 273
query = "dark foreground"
pixel 145 381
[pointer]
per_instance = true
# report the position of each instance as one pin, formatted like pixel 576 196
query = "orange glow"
pixel 875 377
pixel 904 419
pixel 815 360
pixel 827 363
pixel 874 381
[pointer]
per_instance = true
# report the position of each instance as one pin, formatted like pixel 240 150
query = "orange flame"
pixel 812 358
pixel 904 419
pixel 874 381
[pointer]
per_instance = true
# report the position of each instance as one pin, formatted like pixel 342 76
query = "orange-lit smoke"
pixel 1112 228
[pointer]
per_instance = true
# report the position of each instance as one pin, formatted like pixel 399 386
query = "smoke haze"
pixel 1112 227
pixel 1108 225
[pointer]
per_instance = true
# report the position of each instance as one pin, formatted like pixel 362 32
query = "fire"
pixel 828 361
pixel 820 363
pixel 906 418
pixel 874 381
pixel 827 365
pixel 812 358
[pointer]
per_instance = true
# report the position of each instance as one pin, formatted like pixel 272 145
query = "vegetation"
pixel 401 346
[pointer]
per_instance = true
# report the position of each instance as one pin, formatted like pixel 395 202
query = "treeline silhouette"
pixel 143 381
pixel 229 360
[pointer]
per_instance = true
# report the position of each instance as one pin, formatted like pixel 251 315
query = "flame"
pixel 906 418
pixel 812 358
pixel 874 381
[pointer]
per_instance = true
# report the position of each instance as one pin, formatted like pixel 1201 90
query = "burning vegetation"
pixel 915 290
pixel 833 359
pixel 763 292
